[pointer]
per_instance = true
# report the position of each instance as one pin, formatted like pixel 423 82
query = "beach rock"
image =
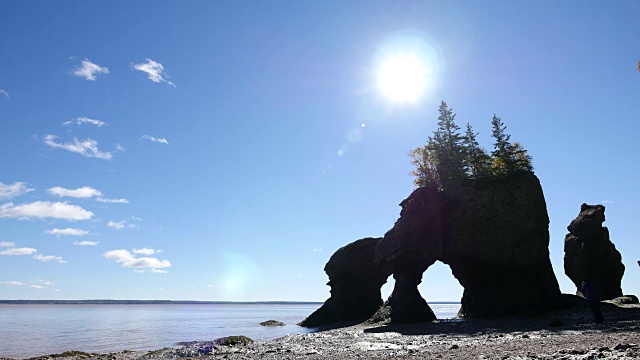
pixel 355 280
pixel 589 253
pixel 494 236
pixel 272 323
pixel 235 340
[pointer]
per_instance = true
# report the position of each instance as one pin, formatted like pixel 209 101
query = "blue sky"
pixel 223 150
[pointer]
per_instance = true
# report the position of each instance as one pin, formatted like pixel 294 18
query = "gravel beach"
pixel 563 334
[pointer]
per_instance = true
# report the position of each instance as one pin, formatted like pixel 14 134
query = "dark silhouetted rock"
pixel 355 280
pixel 589 254
pixel 272 323
pixel 494 236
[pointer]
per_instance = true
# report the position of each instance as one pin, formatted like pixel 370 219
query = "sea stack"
pixel 493 234
pixel 589 253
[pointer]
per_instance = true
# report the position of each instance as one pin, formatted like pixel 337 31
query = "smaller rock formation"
pixel 272 323
pixel 589 254
pixel 355 280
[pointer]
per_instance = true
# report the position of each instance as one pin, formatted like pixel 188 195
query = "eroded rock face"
pixel 355 279
pixel 493 235
pixel 588 253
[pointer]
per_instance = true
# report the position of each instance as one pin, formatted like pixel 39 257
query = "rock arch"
pixel 493 235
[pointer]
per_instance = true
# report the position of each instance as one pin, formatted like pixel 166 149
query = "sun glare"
pixel 402 78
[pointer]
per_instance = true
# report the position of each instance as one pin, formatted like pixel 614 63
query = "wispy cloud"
pixel 18 251
pixel 4 93
pixel 81 192
pixel 67 232
pixel 145 251
pixel 7 244
pixel 84 192
pixel 113 201
pixel 89 70
pixel 8 191
pixel 607 201
pixel 155 139
pixel 84 120
pixel 317 250
pixel 128 259
pixel 44 209
pixel 36 286
pixel 154 70
pixel 48 258
pixel 86 243
pixel 14 283
pixel 158 271
pixel 87 148
pixel 118 225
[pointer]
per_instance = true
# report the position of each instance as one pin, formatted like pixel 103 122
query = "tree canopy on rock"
pixel 450 157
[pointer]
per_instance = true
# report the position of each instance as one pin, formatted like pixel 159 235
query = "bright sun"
pixel 402 78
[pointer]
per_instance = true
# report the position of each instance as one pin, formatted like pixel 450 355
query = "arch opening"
pixel 441 290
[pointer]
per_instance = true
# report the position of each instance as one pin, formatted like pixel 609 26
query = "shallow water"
pixel 33 330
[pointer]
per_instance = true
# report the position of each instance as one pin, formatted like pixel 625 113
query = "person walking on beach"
pixel 591 291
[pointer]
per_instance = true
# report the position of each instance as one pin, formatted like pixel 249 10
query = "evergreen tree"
pixel 522 159
pixel 507 157
pixel 447 145
pixel 477 160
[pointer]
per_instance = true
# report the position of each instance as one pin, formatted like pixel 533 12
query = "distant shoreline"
pixel 169 302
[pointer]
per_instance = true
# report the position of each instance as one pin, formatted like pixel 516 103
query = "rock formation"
pixel 355 280
pixel 588 253
pixel 494 236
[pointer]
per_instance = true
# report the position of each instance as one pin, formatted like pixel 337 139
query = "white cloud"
pixel 67 232
pixel 136 218
pixel 154 70
pixel 84 120
pixel 87 148
pixel 116 224
pixel 89 70
pixel 15 283
pixel 4 92
pixel 317 250
pixel 607 201
pixel 47 258
pixel 82 192
pixel 127 259
pixel 7 244
pixel 86 243
pixel 18 251
pixel 154 139
pixel 45 209
pixel 36 287
pixel 45 282
pixel 145 251
pixel 113 201
pixel 7 191
pixel 158 271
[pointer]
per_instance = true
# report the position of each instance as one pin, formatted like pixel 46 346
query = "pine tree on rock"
pixel 507 157
pixel 447 144
pixel 477 161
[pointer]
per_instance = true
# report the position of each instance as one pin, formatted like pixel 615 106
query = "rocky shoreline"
pixel 563 334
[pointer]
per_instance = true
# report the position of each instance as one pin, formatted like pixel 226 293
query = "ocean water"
pixel 34 330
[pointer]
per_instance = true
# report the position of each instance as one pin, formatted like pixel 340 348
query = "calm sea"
pixel 34 330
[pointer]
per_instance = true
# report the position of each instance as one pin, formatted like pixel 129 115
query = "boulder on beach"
pixel 355 280
pixel 590 254
pixel 494 236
